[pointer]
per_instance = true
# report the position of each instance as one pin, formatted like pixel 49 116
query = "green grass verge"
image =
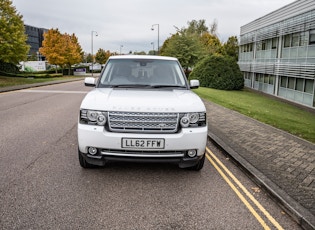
pixel 270 111
pixel 13 81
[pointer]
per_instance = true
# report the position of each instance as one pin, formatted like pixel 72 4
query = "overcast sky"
pixel 128 22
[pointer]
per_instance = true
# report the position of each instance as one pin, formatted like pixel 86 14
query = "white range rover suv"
pixel 142 109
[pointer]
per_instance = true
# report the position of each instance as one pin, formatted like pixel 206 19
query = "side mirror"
pixel 89 81
pixel 194 84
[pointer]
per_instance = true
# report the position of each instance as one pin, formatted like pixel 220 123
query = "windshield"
pixel 142 73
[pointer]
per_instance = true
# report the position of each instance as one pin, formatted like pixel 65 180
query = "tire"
pixel 83 162
pixel 200 164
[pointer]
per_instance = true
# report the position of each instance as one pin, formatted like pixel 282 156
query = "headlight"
pixel 92 117
pixel 192 120
pixel 193 117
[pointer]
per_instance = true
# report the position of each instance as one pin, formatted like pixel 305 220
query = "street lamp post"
pixel 152 28
pixel 152 43
pixel 121 46
pixel 92 48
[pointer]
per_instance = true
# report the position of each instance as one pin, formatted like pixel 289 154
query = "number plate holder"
pixel 143 143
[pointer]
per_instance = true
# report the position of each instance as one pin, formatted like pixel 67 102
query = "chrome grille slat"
pixel 143 122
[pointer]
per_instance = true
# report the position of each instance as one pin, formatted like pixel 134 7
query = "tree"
pixel 165 43
pixel 214 28
pixel 61 49
pixel 218 72
pixel 52 47
pixel 152 52
pixel 89 58
pixel 139 53
pixel 197 27
pixel 186 48
pixel 13 47
pixel 102 56
pixel 231 47
pixel 191 44
pixel 73 51
pixel 32 57
pixel 211 43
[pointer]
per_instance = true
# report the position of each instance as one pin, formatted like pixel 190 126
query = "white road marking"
pixel 51 91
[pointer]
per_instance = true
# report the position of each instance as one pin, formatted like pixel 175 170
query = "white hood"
pixel 143 100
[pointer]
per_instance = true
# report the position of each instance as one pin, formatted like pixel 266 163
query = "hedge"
pixel 8 67
pixel 218 72
pixel 41 75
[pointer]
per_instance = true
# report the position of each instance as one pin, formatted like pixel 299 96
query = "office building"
pixel 35 37
pixel 277 53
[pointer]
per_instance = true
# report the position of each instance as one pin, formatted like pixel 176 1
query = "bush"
pixel 7 74
pixel 28 69
pixel 11 70
pixel 218 72
pixel 39 75
pixel 8 67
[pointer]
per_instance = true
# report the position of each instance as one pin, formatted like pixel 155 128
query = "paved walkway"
pixel 278 161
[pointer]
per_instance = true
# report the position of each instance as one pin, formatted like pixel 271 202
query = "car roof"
pixel 143 57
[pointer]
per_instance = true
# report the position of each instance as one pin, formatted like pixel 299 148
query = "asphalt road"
pixel 42 185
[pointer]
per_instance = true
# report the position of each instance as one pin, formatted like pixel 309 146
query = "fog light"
pixel 92 150
pixel 192 153
pixel 184 121
pixel 101 119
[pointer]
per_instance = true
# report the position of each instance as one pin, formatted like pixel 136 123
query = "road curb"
pixel 301 215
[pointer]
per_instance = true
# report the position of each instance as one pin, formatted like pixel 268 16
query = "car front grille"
pixel 143 122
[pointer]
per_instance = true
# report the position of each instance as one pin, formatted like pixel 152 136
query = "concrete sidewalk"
pixel 281 163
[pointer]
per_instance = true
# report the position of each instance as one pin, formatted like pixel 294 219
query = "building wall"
pixel 35 37
pixel 277 53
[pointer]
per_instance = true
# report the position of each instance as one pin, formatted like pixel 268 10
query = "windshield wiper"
pixel 131 86
pixel 146 86
pixel 168 86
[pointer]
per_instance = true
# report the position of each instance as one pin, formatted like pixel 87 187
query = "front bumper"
pixel 182 162
pixel 109 146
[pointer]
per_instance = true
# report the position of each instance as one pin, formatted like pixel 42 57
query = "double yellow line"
pixel 228 176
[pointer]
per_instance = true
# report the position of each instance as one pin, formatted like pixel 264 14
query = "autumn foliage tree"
pixel 211 43
pixel 102 56
pixel 52 47
pixel 61 49
pixel 73 51
pixel 13 47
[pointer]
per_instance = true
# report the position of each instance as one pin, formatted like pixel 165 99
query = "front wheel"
pixel 83 162
pixel 200 164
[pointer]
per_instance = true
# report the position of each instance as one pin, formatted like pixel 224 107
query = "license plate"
pixel 136 143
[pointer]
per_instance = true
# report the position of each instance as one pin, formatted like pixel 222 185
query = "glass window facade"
pixel 279 58
pixel 35 37
pixel 312 37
